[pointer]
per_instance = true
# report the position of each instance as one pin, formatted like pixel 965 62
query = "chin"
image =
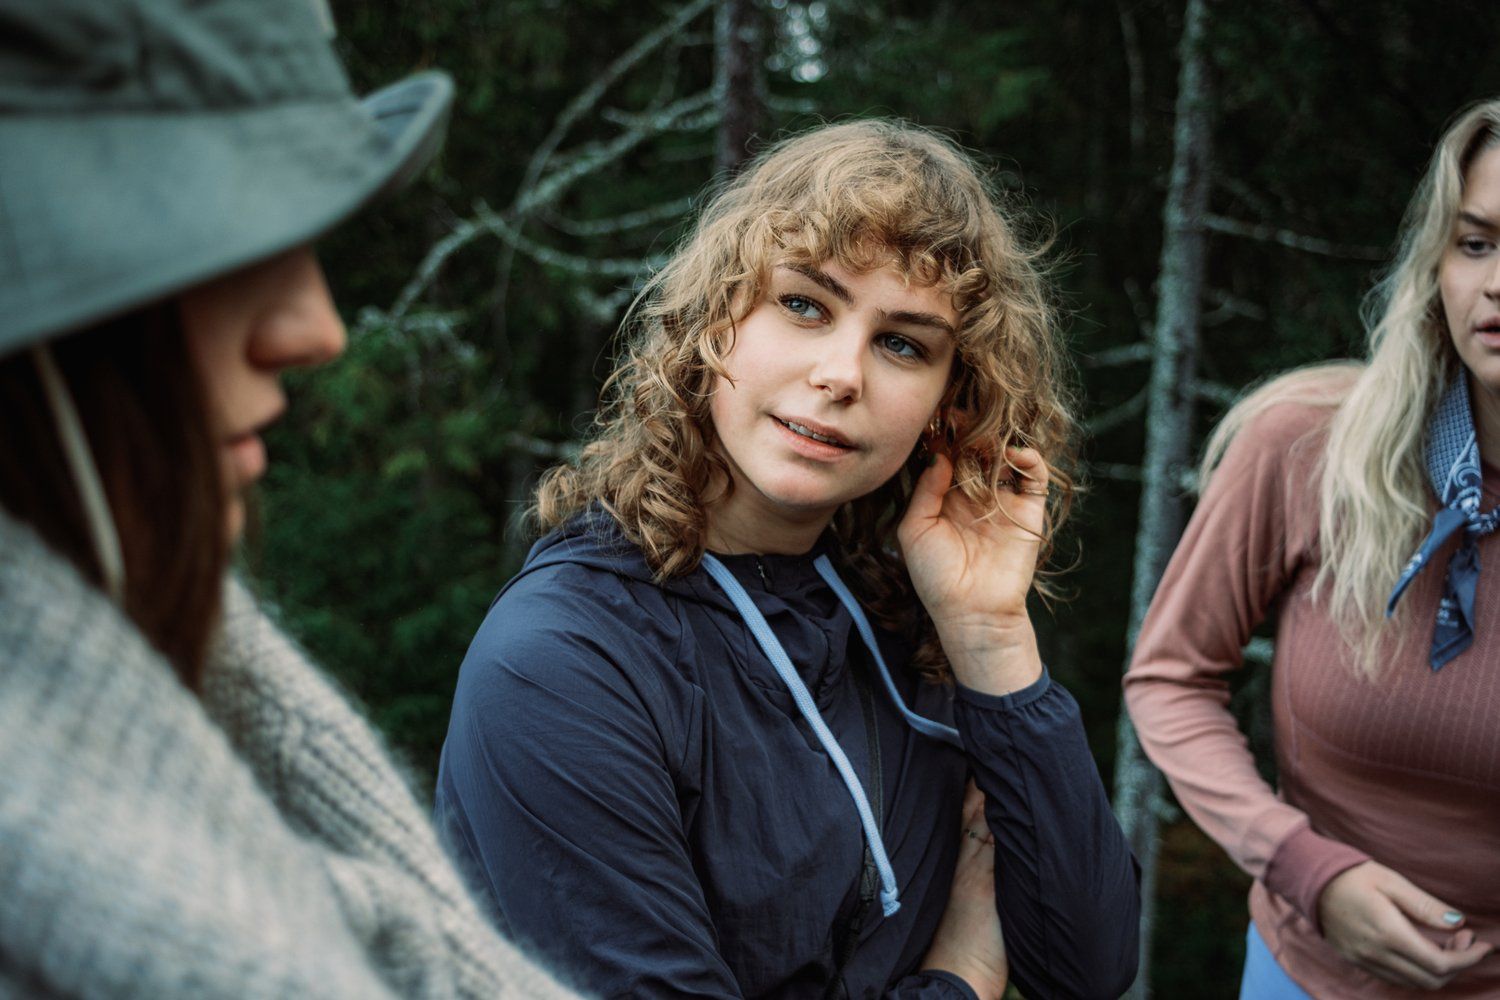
pixel 802 498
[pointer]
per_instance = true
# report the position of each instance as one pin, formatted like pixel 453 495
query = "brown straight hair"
pixel 145 414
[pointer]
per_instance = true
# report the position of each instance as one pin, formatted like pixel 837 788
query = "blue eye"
pixel 900 346
pixel 802 307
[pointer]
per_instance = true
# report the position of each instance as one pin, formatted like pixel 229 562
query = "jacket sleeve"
pixel 931 984
pixel 1066 883
pixel 1243 547
pixel 556 792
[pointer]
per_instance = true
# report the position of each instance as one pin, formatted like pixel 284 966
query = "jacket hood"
pixel 595 540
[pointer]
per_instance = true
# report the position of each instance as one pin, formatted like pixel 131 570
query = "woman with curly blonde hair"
pixel 679 761
pixel 1357 503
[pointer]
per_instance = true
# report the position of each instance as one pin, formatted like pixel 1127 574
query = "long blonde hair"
pixel 865 194
pixel 1373 491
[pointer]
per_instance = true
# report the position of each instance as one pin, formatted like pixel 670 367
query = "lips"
pixel 247 456
pixel 814 431
pixel 247 452
pixel 1487 333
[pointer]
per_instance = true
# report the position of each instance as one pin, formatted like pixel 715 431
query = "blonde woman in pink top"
pixel 1358 503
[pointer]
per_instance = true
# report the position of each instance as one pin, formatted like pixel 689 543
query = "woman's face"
pixel 1469 275
pixel 835 376
pixel 243 330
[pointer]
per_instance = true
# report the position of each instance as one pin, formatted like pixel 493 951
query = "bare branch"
pixel 484 223
pixel 590 96
pixel 1114 417
pixel 621 223
pixel 1140 308
pixel 1228 306
pixel 646 126
pixel 1136 70
pixel 792 105
pixel 603 267
pixel 1115 470
pixel 1184 479
pixel 581 105
pixel 487 223
pixel 604 309
pixel 554 451
pixel 1215 392
pixel 462 235
pixel 1287 238
pixel 1113 357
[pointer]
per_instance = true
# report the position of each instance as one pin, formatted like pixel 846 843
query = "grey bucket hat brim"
pixel 102 214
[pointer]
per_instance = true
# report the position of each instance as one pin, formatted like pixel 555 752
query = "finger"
pixel 1412 973
pixel 1402 942
pixel 927 495
pixel 975 827
pixel 973 803
pixel 1027 462
pixel 1421 906
pixel 1394 978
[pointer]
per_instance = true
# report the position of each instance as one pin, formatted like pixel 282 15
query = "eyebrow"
pixel 825 281
pixel 836 288
pixel 1476 220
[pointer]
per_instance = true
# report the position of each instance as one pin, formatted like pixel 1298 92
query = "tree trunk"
pixel 1169 428
pixel 739 79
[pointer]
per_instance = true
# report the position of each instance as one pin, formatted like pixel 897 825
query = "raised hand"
pixel 968 942
pixel 972 572
pixel 1371 914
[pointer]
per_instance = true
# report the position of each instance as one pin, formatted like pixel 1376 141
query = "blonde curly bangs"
pixel 866 194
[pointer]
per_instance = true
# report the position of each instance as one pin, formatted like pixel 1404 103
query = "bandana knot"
pixel 1452 459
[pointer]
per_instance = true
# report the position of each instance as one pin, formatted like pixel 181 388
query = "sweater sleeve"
pixel 1247 540
pixel 326 769
pixel 139 857
pixel 1067 885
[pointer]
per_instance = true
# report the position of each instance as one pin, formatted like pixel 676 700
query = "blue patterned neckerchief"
pixel 1452 455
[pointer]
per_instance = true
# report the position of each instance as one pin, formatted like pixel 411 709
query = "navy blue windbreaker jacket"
pixel 632 789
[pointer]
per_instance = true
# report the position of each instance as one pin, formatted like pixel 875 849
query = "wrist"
pixel 992 658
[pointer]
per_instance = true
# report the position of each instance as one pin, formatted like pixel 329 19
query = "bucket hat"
pixel 148 145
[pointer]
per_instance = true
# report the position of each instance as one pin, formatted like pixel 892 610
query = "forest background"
pixel 483 304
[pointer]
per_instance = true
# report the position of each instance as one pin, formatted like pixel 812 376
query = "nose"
pixel 838 365
pixel 304 328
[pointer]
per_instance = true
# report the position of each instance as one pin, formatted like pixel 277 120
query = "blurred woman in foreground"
pixel 187 807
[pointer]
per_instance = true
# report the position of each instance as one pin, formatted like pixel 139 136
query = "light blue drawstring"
pixel 761 629
pixel 921 724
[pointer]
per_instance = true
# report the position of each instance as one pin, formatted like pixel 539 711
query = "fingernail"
pixel 1452 917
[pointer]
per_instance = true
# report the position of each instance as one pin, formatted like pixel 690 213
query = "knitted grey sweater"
pixel 254 843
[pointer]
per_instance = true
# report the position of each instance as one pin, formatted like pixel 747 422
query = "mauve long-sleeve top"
pixel 1403 769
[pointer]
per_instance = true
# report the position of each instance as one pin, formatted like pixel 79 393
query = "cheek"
pixel 212 353
pixel 1455 293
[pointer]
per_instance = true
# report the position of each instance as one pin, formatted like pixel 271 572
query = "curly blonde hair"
pixel 865 194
